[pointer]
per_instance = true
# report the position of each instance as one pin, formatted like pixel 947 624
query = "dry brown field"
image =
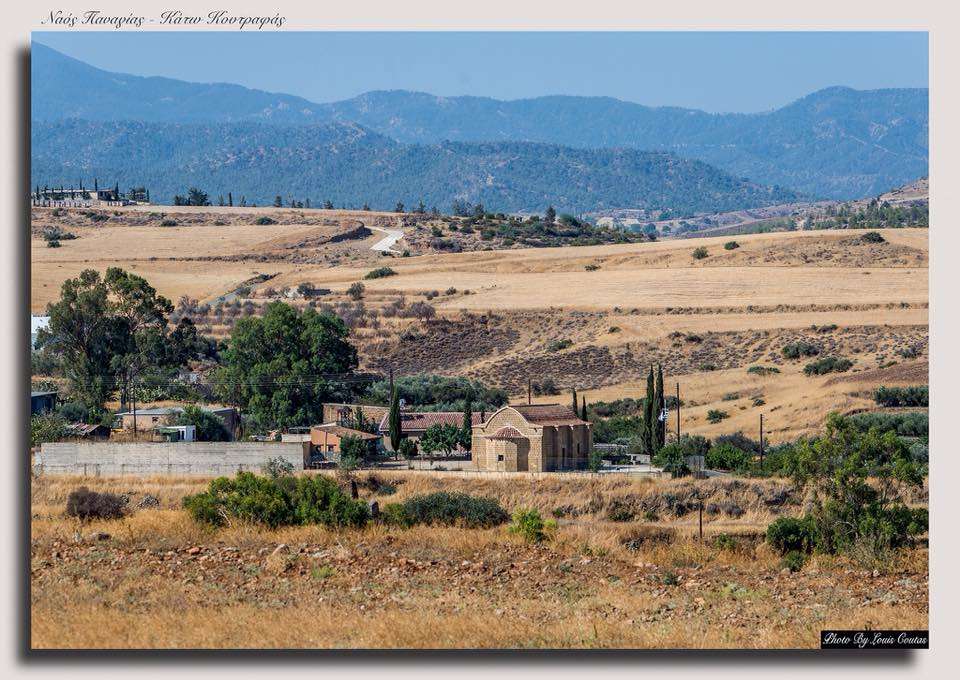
pixel 500 314
pixel 155 579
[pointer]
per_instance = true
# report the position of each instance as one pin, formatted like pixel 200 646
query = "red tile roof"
pixel 416 421
pixel 548 414
pixel 341 431
pixel 507 432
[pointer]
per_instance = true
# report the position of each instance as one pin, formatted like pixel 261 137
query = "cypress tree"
pixel 576 404
pixel 649 417
pixel 660 403
pixel 466 437
pixel 396 428
pixel 583 408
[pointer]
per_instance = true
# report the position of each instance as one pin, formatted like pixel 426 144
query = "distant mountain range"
pixel 350 165
pixel 835 143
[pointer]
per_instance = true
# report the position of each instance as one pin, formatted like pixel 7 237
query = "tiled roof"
pixel 548 414
pixel 507 432
pixel 415 421
pixel 341 431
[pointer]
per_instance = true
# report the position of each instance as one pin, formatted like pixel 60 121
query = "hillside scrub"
pixel 827 365
pixel 801 348
pixel 380 273
pixel 446 508
pixel 902 396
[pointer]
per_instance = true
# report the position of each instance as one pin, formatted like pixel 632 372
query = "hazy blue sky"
pixel 717 72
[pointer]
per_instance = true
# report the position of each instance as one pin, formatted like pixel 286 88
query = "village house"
pixel 148 419
pixel 42 402
pixel 325 441
pixel 415 423
pixel 532 438
pixel 346 414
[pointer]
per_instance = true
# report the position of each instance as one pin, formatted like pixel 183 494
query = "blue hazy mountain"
pixel 837 142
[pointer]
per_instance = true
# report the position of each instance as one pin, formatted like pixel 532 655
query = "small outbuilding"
pixel 42 402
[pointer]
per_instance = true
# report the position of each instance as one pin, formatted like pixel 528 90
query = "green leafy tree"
pixel 353 453
pixel 408 449
pixel 106 332
pixel 281 367
pixel 47 427
pixel 441 438
pixel 209 426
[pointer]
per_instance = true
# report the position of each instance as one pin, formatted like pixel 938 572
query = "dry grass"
pixel 160 581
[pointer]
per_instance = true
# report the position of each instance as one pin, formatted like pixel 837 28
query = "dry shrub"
pixel 86 504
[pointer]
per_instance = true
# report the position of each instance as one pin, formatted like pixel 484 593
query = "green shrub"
pixel 793 560
pixel 592 267
pixel 380 273
pixel 700 253
pixel 263 220
pixel 827 365
pixel 86 504
pixel 763 370
pixel 801 348
pixel 168 223
pixel 716 415
pixel 731 245
pixel 671 459
pixel 558 345
pixel 915 424
pixel 355 291
pixel 276 502
pixel 727 457
pixel 53 243
pixel 452 508
pixel 873 237
pixel 725 542
pixel 902 396
pixel 529 525
pixel 277 467
pixel 792 534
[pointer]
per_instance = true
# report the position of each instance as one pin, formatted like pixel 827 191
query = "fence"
pixel 175 458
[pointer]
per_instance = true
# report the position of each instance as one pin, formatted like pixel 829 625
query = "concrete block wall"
pixel 177 458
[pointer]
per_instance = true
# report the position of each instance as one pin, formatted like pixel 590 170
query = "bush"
pixel 264 220
pixel 277 467
pixel 86 504
pixel 763 370
pixel 529 525
pixel 716 415
pixel 725 542
pixel 671 459
pixel 700 253
pixel 827 365
pixel 276 502
pixel 355 291
pixel 209 426
pixel 380 273
pixel 53 243
pixel 792 534
pixel 727 457
pixel 168 223
pixel 449 508
pixel 902 396
pixel 558 345
pixel 793 560
pixel 902 424
pixel 801 348
pixel 873 237
pixel 731 245
pixel 592 267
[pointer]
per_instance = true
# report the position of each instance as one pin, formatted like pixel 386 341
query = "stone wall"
pixel 178 458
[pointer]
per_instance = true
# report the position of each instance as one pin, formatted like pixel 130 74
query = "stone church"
pixel 532 438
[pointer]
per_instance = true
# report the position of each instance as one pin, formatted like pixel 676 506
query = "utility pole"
pixel 133 396
pixel 678 413
pixel 529 391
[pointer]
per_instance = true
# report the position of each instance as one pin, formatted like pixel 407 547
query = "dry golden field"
pixel 509 316
pixel 155 579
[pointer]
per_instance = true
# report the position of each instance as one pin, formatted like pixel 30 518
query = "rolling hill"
pixel 834 143
pixel 350 165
